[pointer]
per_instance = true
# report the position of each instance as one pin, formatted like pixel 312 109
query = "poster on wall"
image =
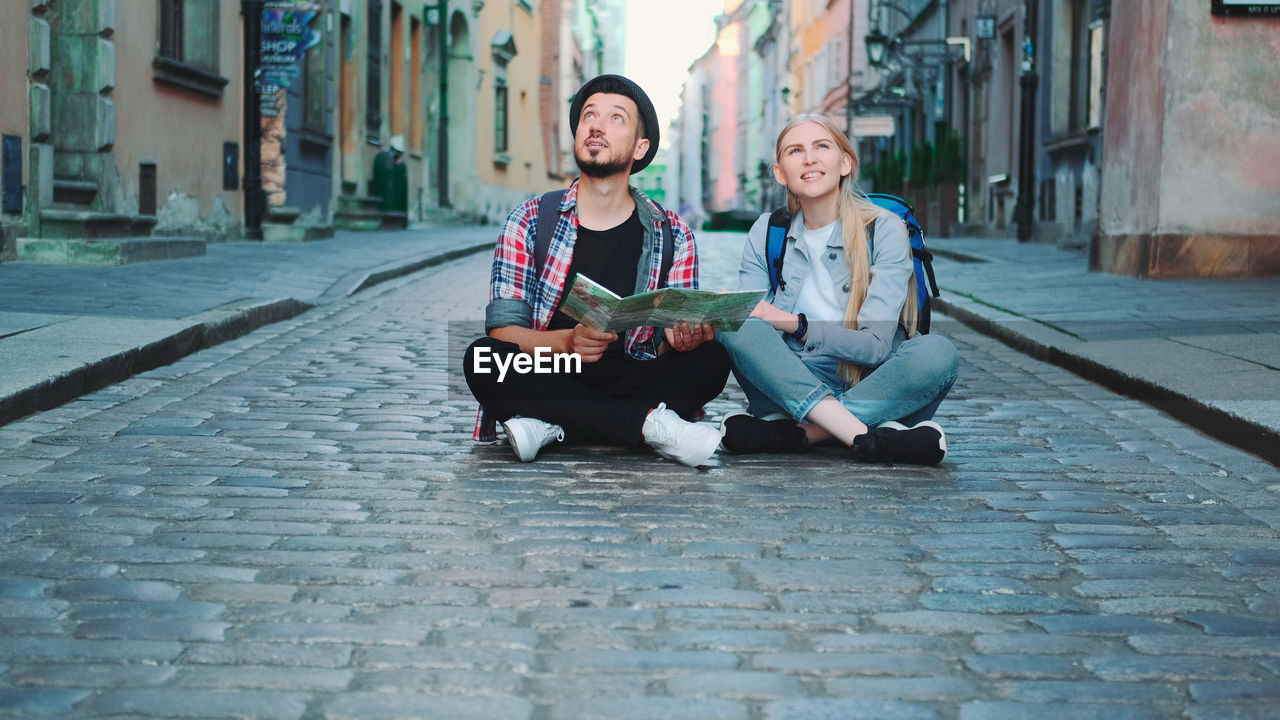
pixel 286 36
pixel 1261 8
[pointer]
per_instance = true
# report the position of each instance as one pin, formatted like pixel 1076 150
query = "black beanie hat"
pixel 618 85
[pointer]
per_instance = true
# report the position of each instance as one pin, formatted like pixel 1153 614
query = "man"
pixel 641 387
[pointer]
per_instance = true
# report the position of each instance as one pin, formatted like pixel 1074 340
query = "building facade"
pixel 373 114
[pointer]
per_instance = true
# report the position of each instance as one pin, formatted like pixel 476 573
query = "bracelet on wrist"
pixel 802 327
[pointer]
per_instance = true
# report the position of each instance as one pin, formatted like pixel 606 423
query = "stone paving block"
pixel 148 629
pixel 512 638
pixel 1264 711
pixel 935 621
pixel 723 640
pixel 741 685
pixel 837 602
pixel 716 549
pixel 835 709
pixel 1022 666
pixel 611 661
pixel 375 595
pixel 318 655
pixel 760 619
pixel 547 689
pixel 1227 647
pixel 199 704
pixel 85 675
pixel 1166 668
pixel 1003 710
pixel 331 576
pixel 1053 692
pixel 714 598
pixel 1266 691
pixel 649 708
pixel 1232 624
pixel 1164 605
pixel 886 642
pixel 242 593
pixel 440 682
pixel 40 702
pixel 1024 571
pixel 213 541
pixel 1108 625
pixel 288 612
pixel 32 608
pixel 425 657
pixel 548 619
pixel 1002 604
pixel 89 572
pixel 218 677
pixel 947 689
pixel 344 633
pixel 850 663
pixel 436 617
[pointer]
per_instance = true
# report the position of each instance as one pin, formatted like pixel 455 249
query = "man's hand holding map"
pixel 597 307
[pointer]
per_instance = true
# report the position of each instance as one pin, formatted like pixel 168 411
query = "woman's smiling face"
pixel 810 163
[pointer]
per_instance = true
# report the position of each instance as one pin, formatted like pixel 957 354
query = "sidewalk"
pixel 1205 351
pixel 68 330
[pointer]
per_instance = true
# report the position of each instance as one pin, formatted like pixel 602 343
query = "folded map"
pixel 595 306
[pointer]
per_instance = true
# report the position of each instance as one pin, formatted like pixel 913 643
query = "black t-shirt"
pixel 610 258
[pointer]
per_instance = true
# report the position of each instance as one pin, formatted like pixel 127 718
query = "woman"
pixel 833 355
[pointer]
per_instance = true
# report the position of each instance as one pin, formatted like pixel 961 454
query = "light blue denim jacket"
pixel 878 332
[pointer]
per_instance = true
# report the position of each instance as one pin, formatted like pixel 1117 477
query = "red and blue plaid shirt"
pixel 513 273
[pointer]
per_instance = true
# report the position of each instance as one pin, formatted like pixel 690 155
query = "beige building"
pixel 15 124
pixel 375 114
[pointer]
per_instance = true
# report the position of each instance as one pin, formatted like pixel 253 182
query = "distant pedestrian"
pixel 832 355
pixel 642 387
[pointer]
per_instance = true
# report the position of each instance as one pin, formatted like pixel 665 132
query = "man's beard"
pixel 602 168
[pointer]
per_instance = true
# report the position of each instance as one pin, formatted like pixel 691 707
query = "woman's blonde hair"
pixel 855 212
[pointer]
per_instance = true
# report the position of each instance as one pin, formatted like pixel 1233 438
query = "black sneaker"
pixel 891 442
pixel 745 434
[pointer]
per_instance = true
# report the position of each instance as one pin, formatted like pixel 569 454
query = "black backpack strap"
pixel 926 259
pixel 548 216
pixel 668 246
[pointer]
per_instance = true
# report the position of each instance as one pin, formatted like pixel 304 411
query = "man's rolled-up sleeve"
pixel 512 278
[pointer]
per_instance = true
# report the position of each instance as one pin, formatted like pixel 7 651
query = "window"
pixel 503 47
pixel 1080 60
pixel 500 118
pixel 187 47
pixel 1097 40
pixel 315 80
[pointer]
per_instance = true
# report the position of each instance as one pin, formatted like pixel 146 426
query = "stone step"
pixel 69 222
pixel 74 192
pixel 394 220
pixel 106 251
pixel 363 203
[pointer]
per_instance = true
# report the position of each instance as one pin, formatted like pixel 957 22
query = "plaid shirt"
pixel 513 274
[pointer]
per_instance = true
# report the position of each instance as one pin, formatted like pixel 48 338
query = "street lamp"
pixel 877 43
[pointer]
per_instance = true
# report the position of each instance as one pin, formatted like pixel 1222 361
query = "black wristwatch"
pixel 802 327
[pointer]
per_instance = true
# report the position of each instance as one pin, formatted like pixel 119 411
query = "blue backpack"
pixel 776 247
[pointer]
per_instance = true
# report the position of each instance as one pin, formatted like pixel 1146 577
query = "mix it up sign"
pixel 286 37
pixel 1266 8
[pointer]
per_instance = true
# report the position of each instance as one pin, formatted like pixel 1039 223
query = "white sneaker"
pixel 529 435
pixel 687 443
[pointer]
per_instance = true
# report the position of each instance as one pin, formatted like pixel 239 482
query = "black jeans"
pixel 607 401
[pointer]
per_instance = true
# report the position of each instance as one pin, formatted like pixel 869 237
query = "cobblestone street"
pixel 295 525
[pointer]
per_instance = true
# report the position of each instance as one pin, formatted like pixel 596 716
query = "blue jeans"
pixel 907 387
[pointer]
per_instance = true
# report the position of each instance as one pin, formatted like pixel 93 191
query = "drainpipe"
pixel 442 167
pixel 255 198
pixel 1024 213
